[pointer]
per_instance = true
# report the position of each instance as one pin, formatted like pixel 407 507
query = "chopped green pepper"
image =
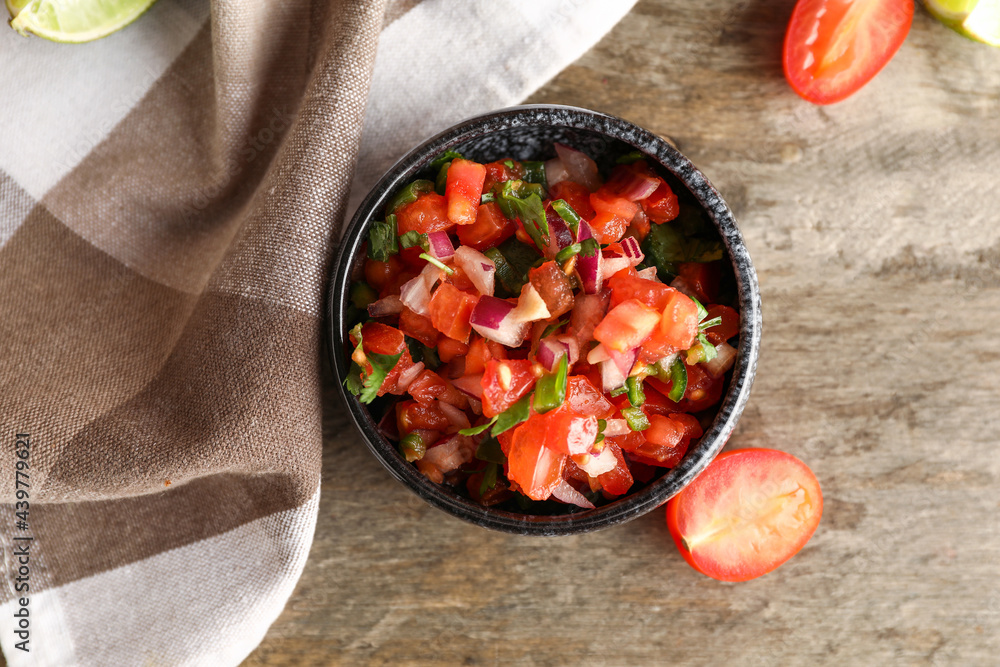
pixel 550 390
pixel 409 194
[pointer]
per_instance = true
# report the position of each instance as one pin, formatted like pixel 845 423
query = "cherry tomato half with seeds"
pixel 746 514
pixel 834 47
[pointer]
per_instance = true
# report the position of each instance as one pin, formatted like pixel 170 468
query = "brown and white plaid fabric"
pixel 169 201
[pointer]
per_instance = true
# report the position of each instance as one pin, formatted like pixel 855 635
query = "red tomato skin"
pixel 702 278
pixel 535 468
pixel 729 327
pixel 619 480
pixel 585 398
pixel 627 325
pixel 429 213
pixel 815 24
pixel 717 477
pixel 612 216
pixel 417 326
pixel 661 206
pixel 576 195
pixel 490 228
pixel 451 310
pixel 496 396
pixel 449 348
pixel 464 190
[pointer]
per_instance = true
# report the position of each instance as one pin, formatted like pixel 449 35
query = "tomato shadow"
pixel 751 34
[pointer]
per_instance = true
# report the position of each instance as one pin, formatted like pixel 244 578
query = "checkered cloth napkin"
pixel 169 200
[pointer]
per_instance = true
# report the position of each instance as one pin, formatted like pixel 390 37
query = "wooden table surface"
pixel 873 226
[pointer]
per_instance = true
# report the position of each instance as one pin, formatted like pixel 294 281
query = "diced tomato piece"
pixel 461 280
pixel 429 213
pixel 656 400
pixel 588 311
pixel 378 274
pixel 627 285
pixel 576 195
pixel 667 438
pixel 662 205
pixel 504 383
pixel 569 432
pixel 535 468
pixel 703 391
pixel 639 227
pixel 729 327
pixel 383 339
pixel 627 325
pixel 746 514
pixel 478 355
pixel 464 190
pixel 679 324
pixel 451 310
pixel 449 348
pixel 619 480
pixel 612 215
pixel 411 258
pixel 412 415
pixel 554 288
pixel 629 442
pixel 702 278
pixel 429 387
pixel 490 228
pixel 417 326
pixel 586 399
pixel 499 171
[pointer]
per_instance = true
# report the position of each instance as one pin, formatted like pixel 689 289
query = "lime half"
pixel 73 21
pixel 976 19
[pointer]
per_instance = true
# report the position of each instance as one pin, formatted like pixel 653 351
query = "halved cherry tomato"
pixel 464 190
pixel 490 228
pixel 834 47
pixel 746 514
pixel 429 213
pixel 504 383
pixel 451 310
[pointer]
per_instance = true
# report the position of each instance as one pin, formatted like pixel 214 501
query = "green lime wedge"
pixel 73 21
pixel 976 19
pixel 983 22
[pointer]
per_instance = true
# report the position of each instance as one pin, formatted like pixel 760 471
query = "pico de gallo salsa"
pixel 546 334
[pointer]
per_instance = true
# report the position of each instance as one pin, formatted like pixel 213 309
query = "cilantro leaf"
pixel 382 242
pixel 476 430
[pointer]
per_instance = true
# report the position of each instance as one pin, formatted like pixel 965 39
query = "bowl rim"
pixel 651 496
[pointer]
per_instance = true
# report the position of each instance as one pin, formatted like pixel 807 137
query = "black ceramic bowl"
pixel 528 133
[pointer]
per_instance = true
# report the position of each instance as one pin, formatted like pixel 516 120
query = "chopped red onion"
pixel 649 273
pixel 550 351
pixel 598 354
pixel 430 275
pixel 472 386
pixel 492 319
pixel 616 427
pixel 632 250
pixel 408 376
pixel 458 418
pixel 572 345
pixel 416 295
pixel 624 360
pixel 683 287
pixel 639 186
pixel 555 171
pixel 569 495
pixel 450 454
pixel 476 405
pixel 611 376
pixel 613 265
pixel 579 166
pixel 439 245
pixel 390 305
pixel 724 360
pixel 589 268
pixel 478 267
pixel 530 306
pixel 598 464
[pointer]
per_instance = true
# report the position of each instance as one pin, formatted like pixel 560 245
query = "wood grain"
pixel 873 225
